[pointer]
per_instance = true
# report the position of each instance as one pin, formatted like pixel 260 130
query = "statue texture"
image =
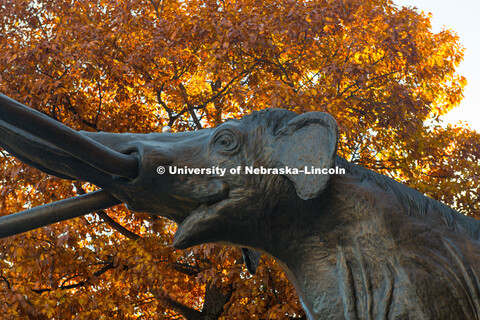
pixel 355 244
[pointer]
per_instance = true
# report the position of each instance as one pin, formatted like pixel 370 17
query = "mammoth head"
pixel 263 150
pixel 221 184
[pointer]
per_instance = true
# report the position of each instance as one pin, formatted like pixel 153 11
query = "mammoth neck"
pixel 341 269
pixel 338 254
pixel 349 283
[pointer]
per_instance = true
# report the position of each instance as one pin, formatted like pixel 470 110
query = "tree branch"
pixel 186 269
pixel 184 310
pixel 273 285
pixel 215 300
pixel 110 221
pixel 98 273
pixel 74 110
pixel 117 226
pixel 6 281
pixel 190 108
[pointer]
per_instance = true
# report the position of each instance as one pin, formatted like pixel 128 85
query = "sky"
pixel 463 17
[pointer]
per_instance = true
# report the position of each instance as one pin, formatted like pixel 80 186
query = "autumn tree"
pixel 138 65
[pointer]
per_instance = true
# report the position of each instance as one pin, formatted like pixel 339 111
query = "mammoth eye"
pixel 226 141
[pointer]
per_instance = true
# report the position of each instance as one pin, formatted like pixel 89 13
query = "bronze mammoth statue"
pixel 355 244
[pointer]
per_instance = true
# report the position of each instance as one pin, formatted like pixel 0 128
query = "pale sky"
pixel 462 16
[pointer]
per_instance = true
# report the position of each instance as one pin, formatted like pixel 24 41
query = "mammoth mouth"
pixel 196 228
pixel 206 195
pixel 189 197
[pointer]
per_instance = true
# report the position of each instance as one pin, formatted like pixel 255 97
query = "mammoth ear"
pixel 309 140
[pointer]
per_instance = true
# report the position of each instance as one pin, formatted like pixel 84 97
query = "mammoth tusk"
pixel 72 142
pixel 55 212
